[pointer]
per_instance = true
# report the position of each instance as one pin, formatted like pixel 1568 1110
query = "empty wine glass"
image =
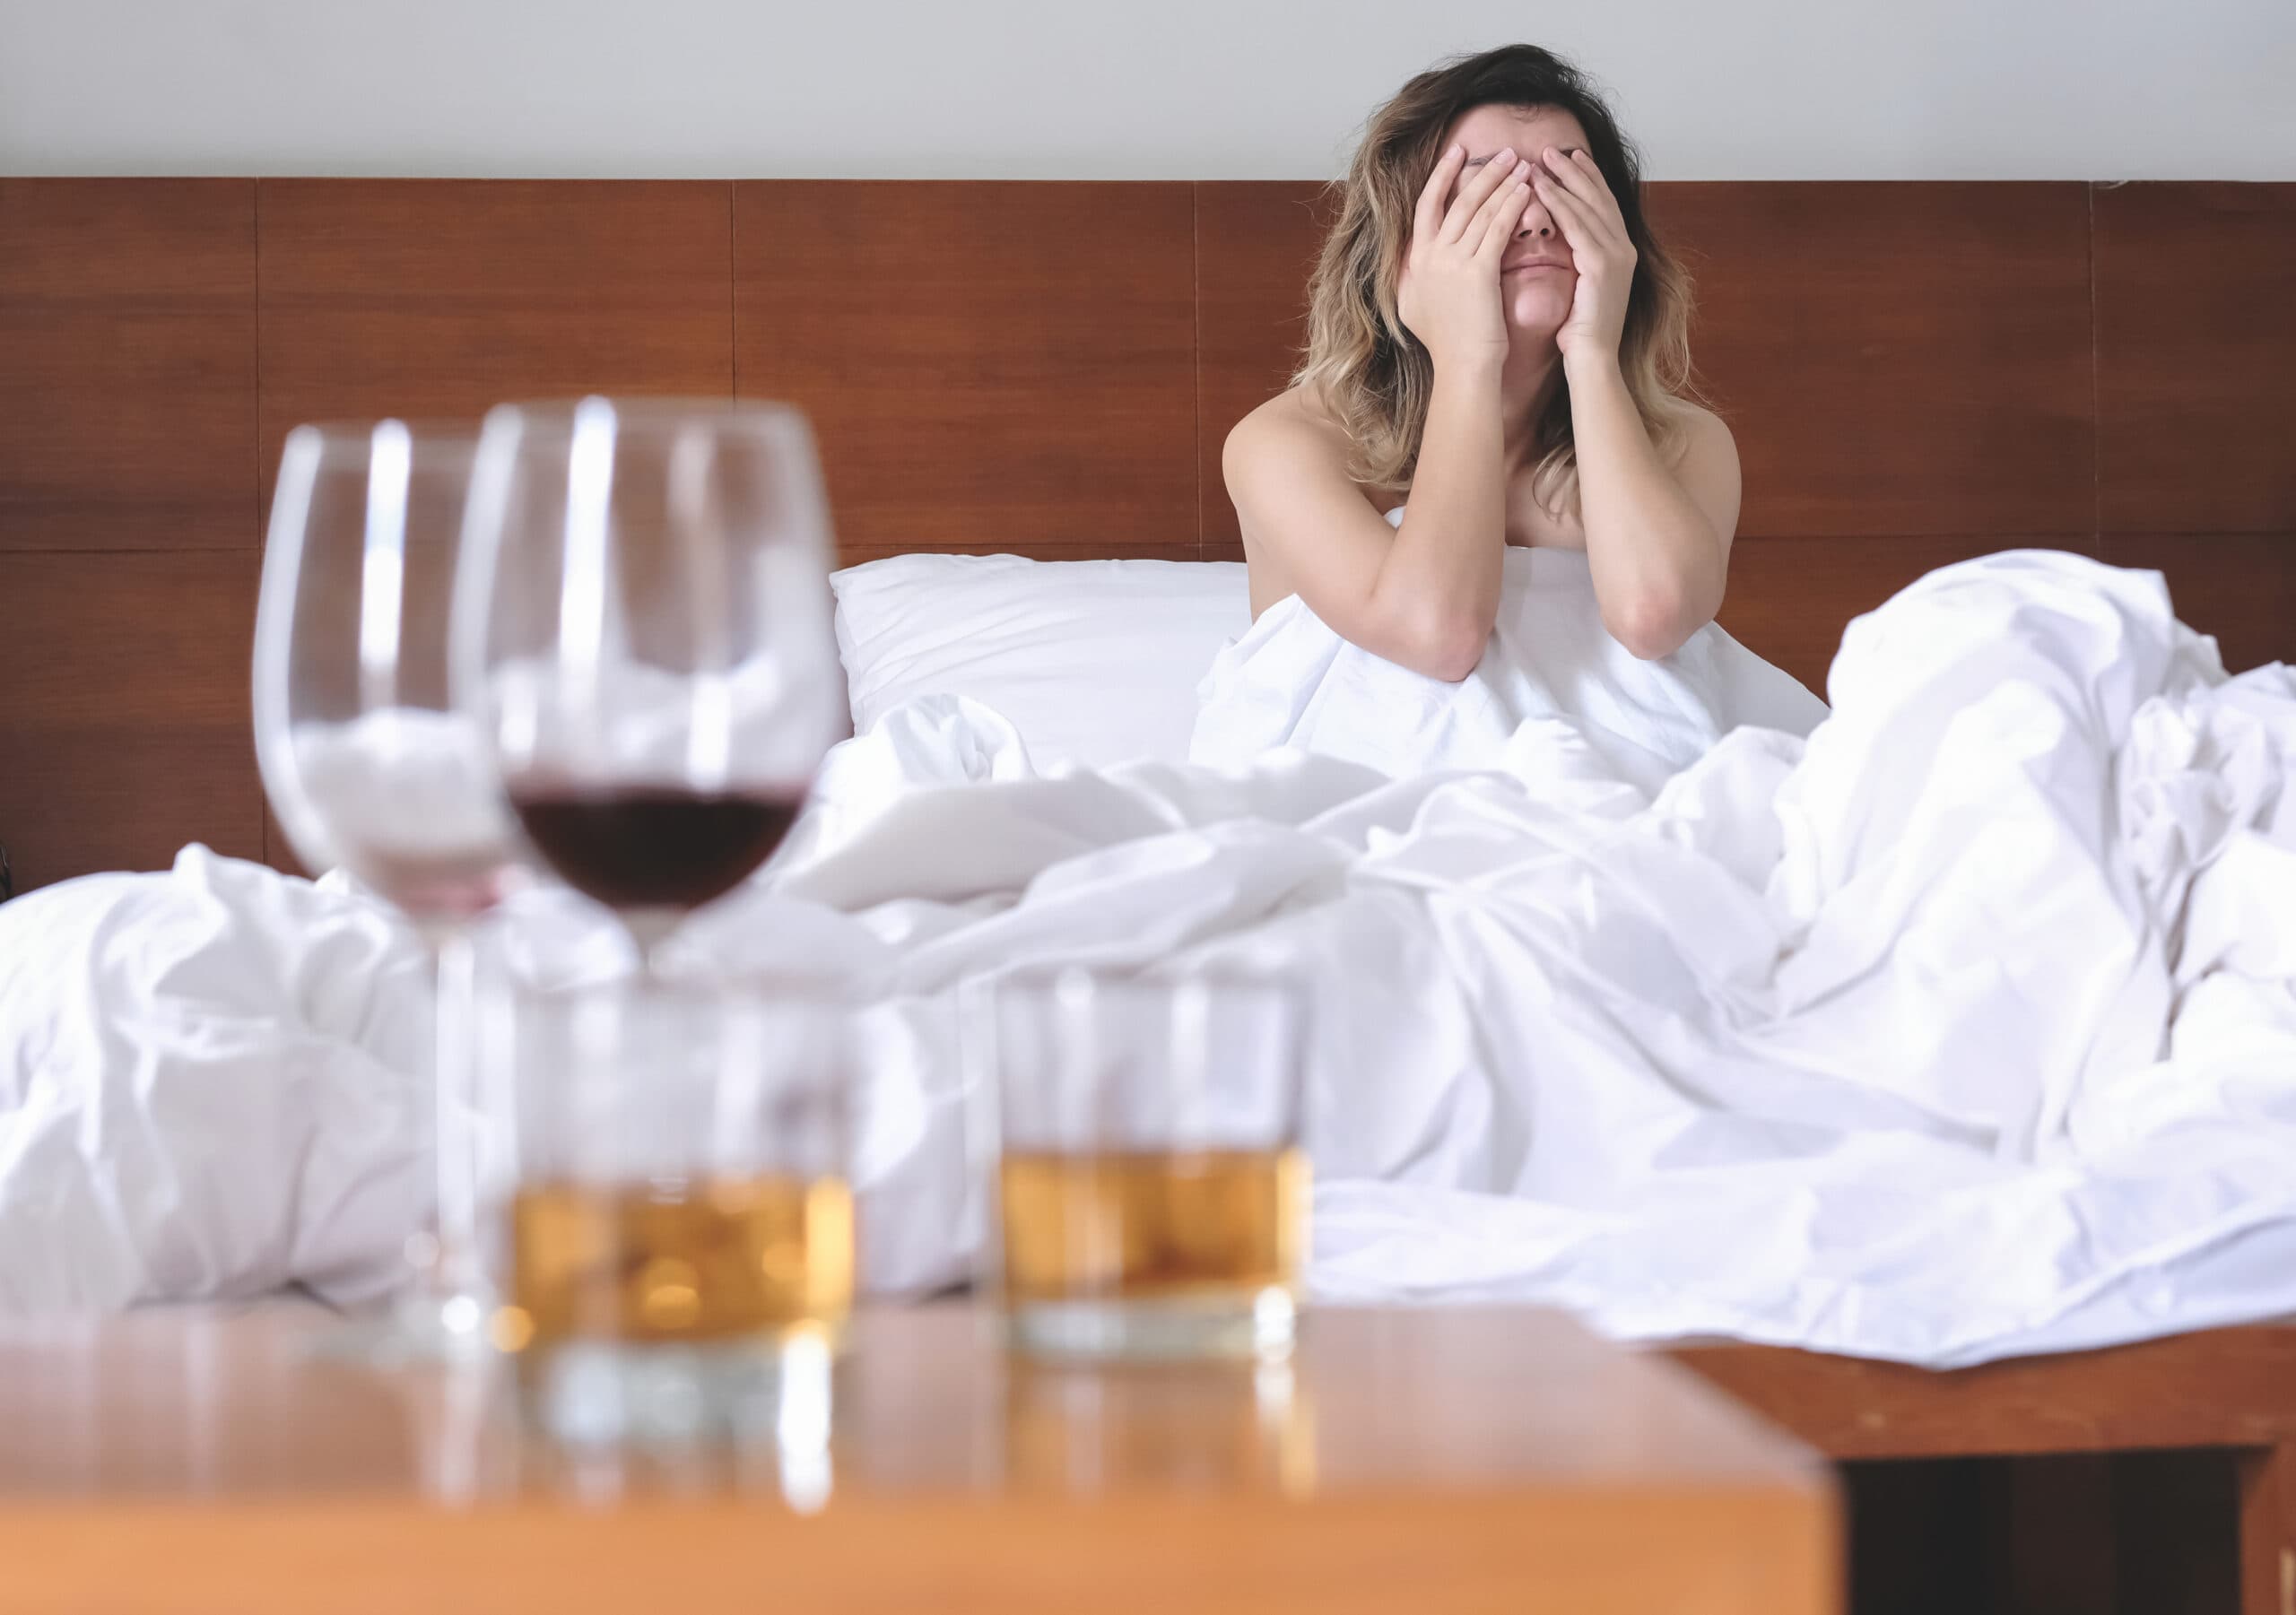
pixel 371 770
pixel 643 632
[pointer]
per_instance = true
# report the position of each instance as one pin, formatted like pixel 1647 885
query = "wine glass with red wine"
pixel 643 633
pixel 371 771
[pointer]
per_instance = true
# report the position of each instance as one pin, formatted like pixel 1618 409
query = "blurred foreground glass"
pixel 670 1218
pixel 1152 1192
pixel 369 770
pixel 643 633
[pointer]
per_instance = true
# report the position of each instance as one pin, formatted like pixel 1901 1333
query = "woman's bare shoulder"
pixel 1699 431
pixel 1293 417
pixel 1291 434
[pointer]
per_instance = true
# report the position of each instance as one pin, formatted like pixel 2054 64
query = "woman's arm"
pixel 1657 541
pixel 1657 537
pixel 1426 594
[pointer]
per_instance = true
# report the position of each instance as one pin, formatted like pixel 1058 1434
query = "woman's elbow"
pixel 1447 645
pixel 1653 622
pixel 1432 639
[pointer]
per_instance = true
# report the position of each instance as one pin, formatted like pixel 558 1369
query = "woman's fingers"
pixel 1500 228
pixel 1563 169
pixel 1475 192
pixel 1569 213
pixel 1427 217
pixel 1517 178
pixel 1577 173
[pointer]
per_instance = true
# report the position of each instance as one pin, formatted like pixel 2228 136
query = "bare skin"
pixel 1515 278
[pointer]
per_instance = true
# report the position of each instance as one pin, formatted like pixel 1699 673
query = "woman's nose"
pixel 1535 221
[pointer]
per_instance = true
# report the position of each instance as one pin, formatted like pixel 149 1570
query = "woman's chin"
pixel 1535 311
pixel 1534 326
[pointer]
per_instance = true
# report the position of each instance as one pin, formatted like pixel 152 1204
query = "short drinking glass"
pixel 1152 1191
pixel 674 1222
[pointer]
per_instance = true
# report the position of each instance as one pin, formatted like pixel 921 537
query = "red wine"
pixel 652 847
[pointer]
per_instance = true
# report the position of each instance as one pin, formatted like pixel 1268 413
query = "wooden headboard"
pixel 1916 373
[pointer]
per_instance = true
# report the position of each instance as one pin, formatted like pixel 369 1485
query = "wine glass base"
pixel 591 1392
pixel 1245 1325
pixel 417 1329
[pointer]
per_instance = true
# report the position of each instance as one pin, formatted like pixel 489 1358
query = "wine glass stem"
pixel 648 929
pixel 454 1157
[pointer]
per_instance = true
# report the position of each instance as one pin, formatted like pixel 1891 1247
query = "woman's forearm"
pixel 1449 556
pixel 1657 563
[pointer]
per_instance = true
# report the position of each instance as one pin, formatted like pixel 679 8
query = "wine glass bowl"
pixel 366 766
pixel 643 638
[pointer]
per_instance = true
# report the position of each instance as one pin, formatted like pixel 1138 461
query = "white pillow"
pixel 1095 662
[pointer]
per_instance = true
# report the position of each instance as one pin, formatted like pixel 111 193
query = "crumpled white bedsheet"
pixel 1966 1029
pixel 1292 681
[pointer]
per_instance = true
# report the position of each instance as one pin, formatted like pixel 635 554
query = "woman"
pixel 1498 347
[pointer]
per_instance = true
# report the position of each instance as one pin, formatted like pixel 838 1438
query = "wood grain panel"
pixel 1008 364
pixel 1790 598
pixel 2195 353
pixel 439 297
pixel 125 730
pixel 2240 586
pixel 2216 1388
pixel 1256 245
pixel 127 364
pixel 1901 359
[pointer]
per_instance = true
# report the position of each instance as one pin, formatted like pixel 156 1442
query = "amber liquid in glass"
pixel 685 1261
pixel 1151 1225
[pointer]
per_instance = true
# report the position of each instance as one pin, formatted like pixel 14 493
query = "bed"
pixel 2062 375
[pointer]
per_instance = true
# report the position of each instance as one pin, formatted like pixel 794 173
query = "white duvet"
pixel 1292 683
pixel 1963 1028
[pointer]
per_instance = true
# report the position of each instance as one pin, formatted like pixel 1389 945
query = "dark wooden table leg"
pixel 2268 1530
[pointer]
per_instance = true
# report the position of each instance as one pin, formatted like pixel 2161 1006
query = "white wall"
pixel 1134 89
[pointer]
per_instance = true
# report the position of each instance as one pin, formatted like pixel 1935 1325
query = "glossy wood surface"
pixel 127 387
pixel 2240 586
pixel 2216 1388
pixel 123 728
pixel 436 299
pixel 984 363
pixel 2197 358
pixel 1903 359
pixel 1472 1459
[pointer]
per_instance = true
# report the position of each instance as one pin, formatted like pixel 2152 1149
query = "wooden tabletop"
pixel 210 1460
pixel 2227 1387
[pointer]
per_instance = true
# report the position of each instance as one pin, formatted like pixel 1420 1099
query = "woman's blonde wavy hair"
pixel 1374 375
